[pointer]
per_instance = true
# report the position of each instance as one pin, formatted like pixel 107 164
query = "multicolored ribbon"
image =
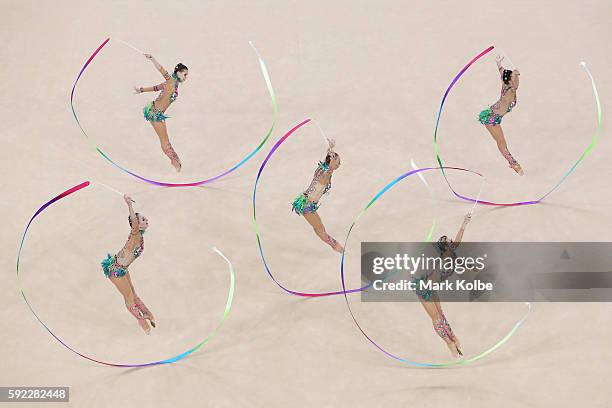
pixel 370 339
pixel 593 143
pixel 228 304
pixel 266 75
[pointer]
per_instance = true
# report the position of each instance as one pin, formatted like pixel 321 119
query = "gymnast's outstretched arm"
pixel 459 235
pixel 134 220
pixel 154 88
pixel 158 66
pixel 498 61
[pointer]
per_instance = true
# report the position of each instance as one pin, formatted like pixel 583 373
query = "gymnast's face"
pixel 143 222
pixel 182 75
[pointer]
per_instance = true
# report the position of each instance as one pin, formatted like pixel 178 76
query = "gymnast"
pixel 154 111
pixel 307 203
pixel 429 298
pixel 115 267
pixel 491 117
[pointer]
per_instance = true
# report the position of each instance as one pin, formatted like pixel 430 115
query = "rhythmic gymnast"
pixel 307 203
pixel 492 116
pixel 429 299
pixel 115 267
pixel 154 110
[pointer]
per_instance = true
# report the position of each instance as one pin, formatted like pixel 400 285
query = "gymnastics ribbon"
pixel 258 235
pixel 593 143
pixel 228 304
pixel 266 75
pixel 370 339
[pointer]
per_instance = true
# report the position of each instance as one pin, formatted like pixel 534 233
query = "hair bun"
pixel 180 67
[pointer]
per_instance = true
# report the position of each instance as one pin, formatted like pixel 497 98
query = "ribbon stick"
pixel 109 188
pixel 323 135
pixel 129 45
pixel 477 197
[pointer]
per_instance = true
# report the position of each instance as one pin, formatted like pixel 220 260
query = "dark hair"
pixel 506 76
pixel 130 220
pixel 442 243
pixel 329 157
pixel 180 67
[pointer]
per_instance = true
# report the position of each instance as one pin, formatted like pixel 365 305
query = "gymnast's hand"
pixel 137 90
pixel 148 56
pixel 331 143
pixel 128 199
pixel 467 219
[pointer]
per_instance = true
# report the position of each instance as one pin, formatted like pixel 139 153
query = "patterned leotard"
pixel 316 190
pixel 127 256
pixel 442 275
pixel 168 94
pixel 506 101
pixel 308 201
pixel 117 265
